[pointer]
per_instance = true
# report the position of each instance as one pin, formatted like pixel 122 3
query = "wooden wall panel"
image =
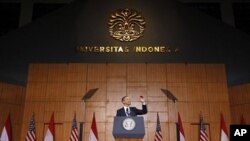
pixel 246 112
pixel 217 109
pixel 197 108
pixel 58 73
pixel 156 72
pixel 151 116
pixel 24 130
pixel 196 73
pixel 154 90
pixel 116 90
pixel 54 107
pixel 236 110
pixel 37 108
pixel 11 94
pixel 1 89
pixel 187 131
pixel 97 72
pixel 135 90
pixel 176 73
pixel 111 109
pixel 108 134
pixel 236 96
pixel 77 72
pixel 217 92
pixel 215 131
pixel 179 90
pixel 101 93
pixel 75 91
pixel 172 111
pixel 136 72
pixel 245 93
pixel 183 109
pixel 197 92
pixel 240 102
pixel 67 130
pixel 12 103
pixel 200 88
pixel 56 91
pixel 40 129
pixel 99 108
pixel 72 108
pixel 36 91
pixel 216 73
pixel 116 73
pixel 38 72
pixel 151 131
pixel 172 132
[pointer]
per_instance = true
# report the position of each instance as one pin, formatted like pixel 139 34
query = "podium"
pixel 128 128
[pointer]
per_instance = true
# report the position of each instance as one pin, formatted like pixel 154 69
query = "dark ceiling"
pixel 54 38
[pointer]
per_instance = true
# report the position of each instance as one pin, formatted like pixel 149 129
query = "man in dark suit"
pixel 131 111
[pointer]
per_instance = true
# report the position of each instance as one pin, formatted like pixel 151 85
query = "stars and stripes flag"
pixel 181 131
pixel 74 131
pixel 93 136
pixel 203 134
pixel 158 135
pixel 7 131
pixel 224 134
pixel 31 134
pixel 50 134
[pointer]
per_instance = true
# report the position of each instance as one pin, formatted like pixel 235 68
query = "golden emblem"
pixel 126 25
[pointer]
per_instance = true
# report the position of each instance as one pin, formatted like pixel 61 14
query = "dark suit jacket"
pixel 133 111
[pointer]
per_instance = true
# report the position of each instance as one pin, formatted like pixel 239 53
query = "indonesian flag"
pixel 181 131
pixel 7 131
pixel 224 134
pixel 93 131
pixel 50 134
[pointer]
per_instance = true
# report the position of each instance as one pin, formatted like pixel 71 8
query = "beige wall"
pixel 11 102
pixel 59 88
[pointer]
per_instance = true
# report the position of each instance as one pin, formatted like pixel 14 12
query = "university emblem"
pixel 126 25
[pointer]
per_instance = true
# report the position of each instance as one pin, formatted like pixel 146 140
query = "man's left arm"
pixel 144 107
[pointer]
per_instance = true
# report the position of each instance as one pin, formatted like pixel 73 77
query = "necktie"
pixel 127 112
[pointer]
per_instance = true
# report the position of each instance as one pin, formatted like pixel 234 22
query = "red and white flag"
pixel 50 134
pixel 224 134
pixel 181 131
pixel 93 136
pixel 7 131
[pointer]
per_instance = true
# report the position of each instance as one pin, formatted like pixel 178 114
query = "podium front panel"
pixel 128 127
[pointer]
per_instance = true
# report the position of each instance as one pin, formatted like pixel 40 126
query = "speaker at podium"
pixel 128 128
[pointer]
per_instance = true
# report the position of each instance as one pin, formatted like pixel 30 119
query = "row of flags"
pixel 50 134
pixel 93 136
pixel 203 135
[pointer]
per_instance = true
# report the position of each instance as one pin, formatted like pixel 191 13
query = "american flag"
pixel 158 135
pixel 203 134
pixel 31 135
pixel 74 131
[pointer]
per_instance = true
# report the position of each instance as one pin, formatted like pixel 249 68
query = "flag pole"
pixel 85 99
pixel 174 99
